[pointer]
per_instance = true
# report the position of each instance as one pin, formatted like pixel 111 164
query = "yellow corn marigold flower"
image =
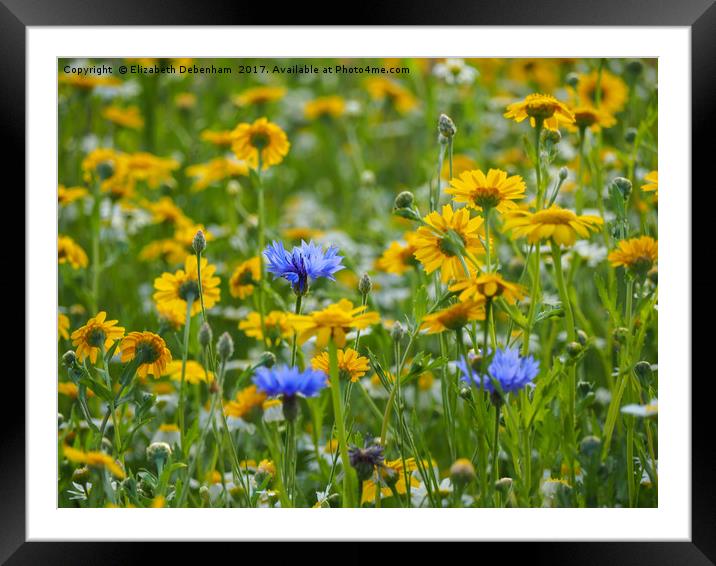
pixel 541 108
pixel 215 171
pixel 246 399
pixel 266 467
pixel 185 100
pixel 259 95
pixel 460 164
pixel 613 91
pixel 351 365
pixel 262 137
pixel 185 232
pixel 71 390
pixel 494 190
pixel 150 349
pixel 98 333
pixel 401 98
pixel 301 233
pixel 220 138
pixel 560 225
pixel 488 286
pixel 245 278
pixel 436 246
pixel 333 106
pixel 399 258
pixel 87 82
pixel 335 321
pixel 68 251
pixel 67 195
pixel 93 459
pixel 164 210
pixel 277 323
pixel 652 185
pixel 593 118
pixel 158 502
pixel 128 117
pixel 169 250
pixel 395 470
pixel 153 170
pixel 194 372
pixel 174 289
pixel 544 73
pixel 425 381
pixel 63 326
pixel 455 316
pixel 637 254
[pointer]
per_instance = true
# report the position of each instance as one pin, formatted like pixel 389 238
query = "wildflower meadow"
pixel 357 283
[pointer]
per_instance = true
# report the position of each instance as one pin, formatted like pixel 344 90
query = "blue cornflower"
pixel 512 371
pixel 289 381
pixel 309 261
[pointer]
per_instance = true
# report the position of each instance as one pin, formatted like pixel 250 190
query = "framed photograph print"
pixel 398 280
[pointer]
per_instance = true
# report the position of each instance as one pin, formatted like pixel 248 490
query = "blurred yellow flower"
pixel 193 373
pixel 401 98
pixel 128 117
pixel 245 278
pixel 399 258
pixel 246 399
pixel 94 460
pixel 63 326
pixel 455 316
pixel 214 171
pixel 277 324
pixel 67 195
pixel 68 251
pixel 218 138
pixel 652 178
pixel 613 91
pixel 333 106
pixel 259 95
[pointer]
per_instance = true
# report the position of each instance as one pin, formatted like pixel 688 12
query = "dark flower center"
pixel 146 352
pixel 260 140
pixel 189 289
pixel 96 337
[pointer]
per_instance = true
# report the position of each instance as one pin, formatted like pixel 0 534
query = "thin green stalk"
pixel 347 499
pixel 294 346
pixel 185 353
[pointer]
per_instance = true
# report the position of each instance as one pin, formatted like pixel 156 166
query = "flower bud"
pixel 643 371
pixel 465 393
pixel 623 186
pixel 205 335
pixel 503 485
pixel 69 358
pixel 225 346
pixel 267 360
pixel 634 68
pixel 204 493
pixel 397 331
pixel 159 452
pixel 573 80
pixel 574 349
pixel 365 284
pixel 552 137
pixel 365 460
pixel 199 242
pixel 630 135
pixel 81 475
pixel 446 126
pixel 582 337
pixel 404 199
pixel 462 472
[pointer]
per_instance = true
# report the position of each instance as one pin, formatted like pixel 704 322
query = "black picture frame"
pixel 698 15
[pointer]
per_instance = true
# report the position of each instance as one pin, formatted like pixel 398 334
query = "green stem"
pixel 538 166
pixel 496 453
pixel 185 353
pixel 533 301
pixel 340 424
pixel 299 300
pixel 96 228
